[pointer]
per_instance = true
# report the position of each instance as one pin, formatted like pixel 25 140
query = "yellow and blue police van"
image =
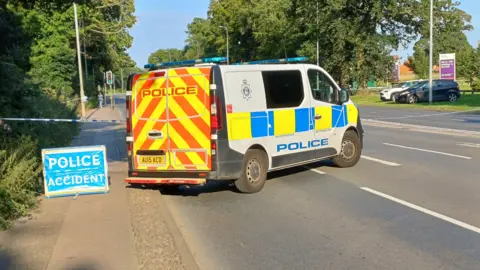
pixel 194 121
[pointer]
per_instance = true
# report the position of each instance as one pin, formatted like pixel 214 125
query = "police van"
pixel 193 121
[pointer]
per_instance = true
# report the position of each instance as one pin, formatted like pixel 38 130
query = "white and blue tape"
pixel 63 120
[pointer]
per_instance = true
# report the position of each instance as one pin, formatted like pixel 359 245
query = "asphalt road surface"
pixel 454 120
pixel 410 203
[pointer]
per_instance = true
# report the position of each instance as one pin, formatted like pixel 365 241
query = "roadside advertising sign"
pixel 75 171
pixel 447 66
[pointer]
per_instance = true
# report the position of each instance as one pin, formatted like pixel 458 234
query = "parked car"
pixel 389 94
pixel 443 90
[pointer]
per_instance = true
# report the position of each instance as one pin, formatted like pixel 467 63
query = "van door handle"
pixel 317 117
pixel 155 134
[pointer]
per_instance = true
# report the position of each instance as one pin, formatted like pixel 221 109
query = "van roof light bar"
pixel 276 61
pixel 187 62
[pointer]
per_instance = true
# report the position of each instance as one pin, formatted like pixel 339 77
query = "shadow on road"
pixel 225 186
pixel 9 262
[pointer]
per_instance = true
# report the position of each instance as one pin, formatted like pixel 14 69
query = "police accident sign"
pixel 75 170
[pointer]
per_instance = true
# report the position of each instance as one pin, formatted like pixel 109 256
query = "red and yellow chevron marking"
pixel 186 139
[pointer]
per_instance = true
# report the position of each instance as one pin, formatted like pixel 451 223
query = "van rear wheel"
pixel 254 172
pixel 350 151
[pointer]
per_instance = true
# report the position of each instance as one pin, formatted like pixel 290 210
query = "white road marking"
pixel 384 162
pixel 425 115
pixel 428 151
pixel 474 145
pixel 314 170
pixel 424 210
pixel 459 120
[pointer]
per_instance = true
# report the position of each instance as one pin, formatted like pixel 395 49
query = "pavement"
pixel 469 120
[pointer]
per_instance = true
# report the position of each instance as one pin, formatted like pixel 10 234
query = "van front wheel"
pixel 350 151
pixel 254 173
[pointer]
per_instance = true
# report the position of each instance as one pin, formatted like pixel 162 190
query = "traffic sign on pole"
pixel 109 77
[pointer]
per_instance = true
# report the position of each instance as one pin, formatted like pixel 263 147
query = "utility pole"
pixel 105 88
pixel 228 49
pixel 431 54
pixel 112 89
pixel 318 49
pixel 85 50
pixel 80 75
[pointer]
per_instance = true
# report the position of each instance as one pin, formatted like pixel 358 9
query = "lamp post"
pixel 318 45
pixel 79 58
pixel 228 50
pixel 431 54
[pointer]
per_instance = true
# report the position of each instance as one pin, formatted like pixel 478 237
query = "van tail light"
pixel 215 113
pixel 214 147
pixel 128 110
pixel 215 119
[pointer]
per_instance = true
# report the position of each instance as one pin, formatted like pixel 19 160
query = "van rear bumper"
pixel 182 181
pixel 183 177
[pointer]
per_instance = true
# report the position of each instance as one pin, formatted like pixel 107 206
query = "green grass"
pixel 466 102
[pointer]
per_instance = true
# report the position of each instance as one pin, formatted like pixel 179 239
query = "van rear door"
pixel 171 120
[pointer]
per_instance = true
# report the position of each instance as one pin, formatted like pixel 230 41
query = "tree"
pixel 201 39
pixel 450 22
pixel 476 69
pixel 38 74
pixel 419 62
pixel 166 55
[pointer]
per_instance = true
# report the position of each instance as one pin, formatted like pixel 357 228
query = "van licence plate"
pixel 151 160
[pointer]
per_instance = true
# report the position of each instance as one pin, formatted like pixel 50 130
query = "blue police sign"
pixel 75 170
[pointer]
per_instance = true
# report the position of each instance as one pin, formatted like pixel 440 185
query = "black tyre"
pixel 452 97
pixel 254 173
pixel 412 99
pixel 350 151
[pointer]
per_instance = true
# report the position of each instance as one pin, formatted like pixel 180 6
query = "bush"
pixel 476 84
pixel 92 102
pixel 20 152
pixel 20 178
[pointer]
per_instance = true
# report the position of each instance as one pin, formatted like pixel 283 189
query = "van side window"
pixel 322 87
pixel 283 88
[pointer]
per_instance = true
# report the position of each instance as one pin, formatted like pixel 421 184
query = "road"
pixel 453 120
pixel 410 203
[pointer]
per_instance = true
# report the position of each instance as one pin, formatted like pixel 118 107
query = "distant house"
pixel 405 70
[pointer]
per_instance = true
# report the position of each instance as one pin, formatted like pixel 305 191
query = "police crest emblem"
pixel 246 90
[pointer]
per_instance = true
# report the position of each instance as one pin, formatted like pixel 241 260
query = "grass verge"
pixel 465 103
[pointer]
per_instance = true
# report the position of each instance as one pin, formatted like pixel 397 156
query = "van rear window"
pixel 283 88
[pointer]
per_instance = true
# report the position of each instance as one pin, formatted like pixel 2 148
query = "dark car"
pixel 443 90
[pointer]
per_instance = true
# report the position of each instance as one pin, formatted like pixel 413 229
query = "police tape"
pixel 63 120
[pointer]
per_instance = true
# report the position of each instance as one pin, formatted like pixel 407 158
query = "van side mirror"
pixel 344 96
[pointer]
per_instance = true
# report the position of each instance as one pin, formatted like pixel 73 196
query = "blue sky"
pixel 162 24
